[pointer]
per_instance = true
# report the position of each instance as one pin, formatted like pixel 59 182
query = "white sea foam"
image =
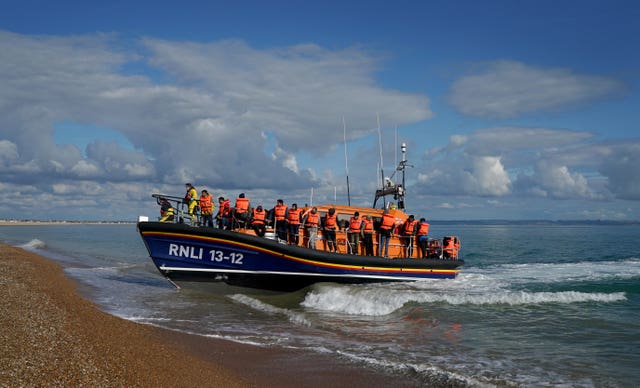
pixel 472 289
pixel 256 304
pixel 34 244
pixel 587 271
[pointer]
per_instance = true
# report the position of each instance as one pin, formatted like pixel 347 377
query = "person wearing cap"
pixel 206 209
pixel 258 221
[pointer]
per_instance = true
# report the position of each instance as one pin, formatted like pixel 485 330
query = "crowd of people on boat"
pixel 287 223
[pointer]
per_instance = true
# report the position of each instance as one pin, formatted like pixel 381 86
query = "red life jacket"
pixel 409 227
pixel 387 221
pixel 354 224
pixel 294 217
pixel 206 207
pixel 330 222
pixel 280 212
pixel 423 229
pixel 368 226
pixel 225 207
pixel 242 205
pixel 312 219
pixel 258 217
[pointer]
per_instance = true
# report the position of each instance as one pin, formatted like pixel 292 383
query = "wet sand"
pixel 51 336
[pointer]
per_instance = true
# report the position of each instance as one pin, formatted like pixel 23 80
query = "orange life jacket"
pixel 355 224
pixel 225 207
pixel 387 221
pixel 409 227
pixel 423 229
pixel 450 246
pixel 280 211
pixel 312 219
pixel 330 222
pixel 294 217
pixel 258 217
pixel 242 205
pixel 368 226
pixel 206 207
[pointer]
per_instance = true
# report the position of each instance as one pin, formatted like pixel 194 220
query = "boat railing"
pixel 178 210
pixel 174 209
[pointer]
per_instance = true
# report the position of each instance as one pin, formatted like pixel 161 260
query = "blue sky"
pixel 510 109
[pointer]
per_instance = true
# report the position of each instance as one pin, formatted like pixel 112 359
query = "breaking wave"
pixel 34 244
pixel 497 285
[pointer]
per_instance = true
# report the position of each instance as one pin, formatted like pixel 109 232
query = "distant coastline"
pixel 59 222
pixel 9 222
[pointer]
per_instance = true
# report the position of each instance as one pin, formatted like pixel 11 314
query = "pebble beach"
pixel 51 336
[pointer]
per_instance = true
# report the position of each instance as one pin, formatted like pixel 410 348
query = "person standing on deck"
pixel 311 219
pixel 387 225
pixel 367 236
pixel 224 212
pixel 280 220
pixel 293 218
pixel 191 200
pixel 206 208
pixel 353 233
pixel 423 237
pixel 408 232
pixel 330 226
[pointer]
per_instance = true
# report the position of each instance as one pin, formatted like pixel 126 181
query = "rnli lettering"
pixel 185 251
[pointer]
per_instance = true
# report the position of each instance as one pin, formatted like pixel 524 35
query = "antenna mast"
pixel 346 165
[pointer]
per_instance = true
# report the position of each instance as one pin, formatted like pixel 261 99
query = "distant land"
pixel 433 222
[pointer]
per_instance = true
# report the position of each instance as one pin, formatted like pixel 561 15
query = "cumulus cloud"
pixel 506 89
pixel 199 116
pixel 536 162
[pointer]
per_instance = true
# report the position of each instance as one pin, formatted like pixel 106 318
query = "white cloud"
pixel 537 162
pixel 203 122
pixel 506 89
pixel 8 152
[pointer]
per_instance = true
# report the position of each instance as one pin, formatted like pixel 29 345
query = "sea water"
pixel 534 305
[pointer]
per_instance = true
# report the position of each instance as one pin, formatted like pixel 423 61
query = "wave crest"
pixel 34 244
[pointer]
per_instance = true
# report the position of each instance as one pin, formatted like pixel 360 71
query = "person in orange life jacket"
pixel 258 221
pixel 293 219
pixel 241 212
pixel 206 208
pixel 279 213
pixel 191 200
pixel 166 210
pixel 311 219
pixel 408 232
pixel 386 227
pixel 353 233
pixel 224 212
pixel 423 237
pixel 367 235
pixel 330 226
pixel 449 248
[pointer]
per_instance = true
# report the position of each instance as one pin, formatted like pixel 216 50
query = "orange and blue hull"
pixel 185 253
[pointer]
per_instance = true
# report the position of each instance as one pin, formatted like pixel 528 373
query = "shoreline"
pixel 53 336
